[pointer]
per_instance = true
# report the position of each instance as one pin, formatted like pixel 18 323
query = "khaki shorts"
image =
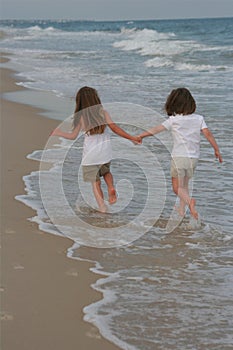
pixel 183 166
pixel 92 173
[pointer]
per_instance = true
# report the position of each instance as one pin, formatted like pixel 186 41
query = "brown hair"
pixel 89 107
pixel 180 101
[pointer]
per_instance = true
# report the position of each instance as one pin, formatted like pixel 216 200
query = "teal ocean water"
pixel 162 290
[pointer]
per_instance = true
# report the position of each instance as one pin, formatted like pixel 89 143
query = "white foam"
pixel 47 29
pixel 158 62
pixel 103 320
pixel 145 41
pixel 199 67
pixel 151 42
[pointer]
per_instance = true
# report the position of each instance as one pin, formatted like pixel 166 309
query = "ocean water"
pixel 166 284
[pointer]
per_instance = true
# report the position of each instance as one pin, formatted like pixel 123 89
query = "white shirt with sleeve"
pixel 97 149
pixel 185 131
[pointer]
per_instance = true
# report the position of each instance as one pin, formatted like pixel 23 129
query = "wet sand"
pixel 42 291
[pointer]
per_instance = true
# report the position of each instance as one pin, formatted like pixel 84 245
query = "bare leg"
pixel 96 187
pixel 180 187
pixel 175 186
pixel 183 183
pixel 183 193
pixel 112 197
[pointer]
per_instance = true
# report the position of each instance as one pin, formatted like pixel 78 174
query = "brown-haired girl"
pixel 91 118
pixel 185 126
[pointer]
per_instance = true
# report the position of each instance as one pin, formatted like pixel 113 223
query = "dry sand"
pixel 42 291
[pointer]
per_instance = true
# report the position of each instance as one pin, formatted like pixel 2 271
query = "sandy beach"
pixel 42 291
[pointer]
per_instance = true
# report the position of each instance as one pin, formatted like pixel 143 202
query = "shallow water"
pixel 161 289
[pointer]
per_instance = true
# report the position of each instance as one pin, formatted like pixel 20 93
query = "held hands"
pixel 137 140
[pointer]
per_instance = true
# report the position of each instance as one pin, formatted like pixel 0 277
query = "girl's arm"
pixel 209 136
pixel 117 130
pixel 155 130
pixel 72 135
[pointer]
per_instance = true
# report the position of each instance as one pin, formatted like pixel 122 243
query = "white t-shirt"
pixel 186 131
pixel 97 149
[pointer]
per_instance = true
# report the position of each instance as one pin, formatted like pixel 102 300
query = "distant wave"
pixel 161 62
pixel 152 42
pixel 48 29
pixel 25 34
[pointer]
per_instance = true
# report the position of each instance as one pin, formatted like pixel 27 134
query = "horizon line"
pixel 111 20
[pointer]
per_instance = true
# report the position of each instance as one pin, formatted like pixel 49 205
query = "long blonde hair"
pixel 89 108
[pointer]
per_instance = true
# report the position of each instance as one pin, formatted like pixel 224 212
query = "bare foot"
pixel 112 197
pixel 193 211
pixel 103 208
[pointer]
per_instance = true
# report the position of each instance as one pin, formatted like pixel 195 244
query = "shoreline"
pixel 43 292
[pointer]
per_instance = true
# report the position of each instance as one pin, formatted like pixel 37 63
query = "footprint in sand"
pixel 72 273
pixel 9 231
pixel 93 333
pixel 6 317
pixel 18 267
